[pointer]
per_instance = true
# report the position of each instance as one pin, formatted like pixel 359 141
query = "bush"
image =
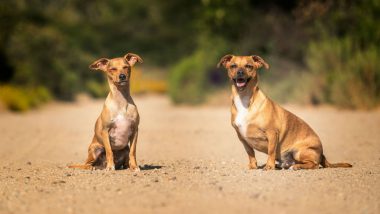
pixel 16 98
pixel 97 89
pixel 296 87
pixel 188 78
pixel 345 74
pixel 38 96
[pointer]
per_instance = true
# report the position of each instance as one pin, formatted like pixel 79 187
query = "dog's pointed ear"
pixel 100 64
pixel 224 60
pixel 132 58
pixel 259 62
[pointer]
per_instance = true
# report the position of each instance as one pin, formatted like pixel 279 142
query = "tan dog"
pixel 118 123
pixel 263 125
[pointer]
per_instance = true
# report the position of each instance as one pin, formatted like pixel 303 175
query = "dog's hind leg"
pixel 123 159
pixel 94 151
pixel 287 160
pixel 307 158
pixel 305 165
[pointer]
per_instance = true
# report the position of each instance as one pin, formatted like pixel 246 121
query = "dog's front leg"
pixel 107 147
pixel 132 153
pixel 251 156
pixel 251 153
pixel 272 137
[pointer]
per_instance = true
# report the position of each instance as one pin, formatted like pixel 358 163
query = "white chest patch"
pixel 241 104
pixel 120 132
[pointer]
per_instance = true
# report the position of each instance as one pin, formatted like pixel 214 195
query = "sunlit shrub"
pixel 14 99
pixel 149 86
pixel 17 98
pixel 146 82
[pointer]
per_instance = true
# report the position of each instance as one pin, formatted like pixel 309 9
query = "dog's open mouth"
pixel 241 82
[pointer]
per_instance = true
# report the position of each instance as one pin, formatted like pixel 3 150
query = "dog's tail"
pixel 80 166
pixel 326 164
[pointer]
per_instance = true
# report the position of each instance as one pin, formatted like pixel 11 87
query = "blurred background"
pixel 320 52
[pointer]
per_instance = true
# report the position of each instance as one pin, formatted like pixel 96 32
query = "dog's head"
pixel 118 70
pixel 242 69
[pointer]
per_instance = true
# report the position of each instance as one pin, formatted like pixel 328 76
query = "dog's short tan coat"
pixel 118 123
pixel 264 126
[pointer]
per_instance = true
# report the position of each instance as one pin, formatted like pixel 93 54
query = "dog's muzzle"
pixel 122 83
pixel 241 82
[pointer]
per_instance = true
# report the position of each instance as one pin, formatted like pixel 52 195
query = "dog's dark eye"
pixel 249 66
pixel 233 66
pixel 113 69
pixel 125 67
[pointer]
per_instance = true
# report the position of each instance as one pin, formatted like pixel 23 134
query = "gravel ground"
pixel 191 162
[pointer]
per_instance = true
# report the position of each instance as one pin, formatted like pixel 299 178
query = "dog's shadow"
pixel 150 167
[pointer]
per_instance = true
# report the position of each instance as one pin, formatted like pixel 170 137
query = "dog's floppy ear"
pixel 100 64
pixel 223 61
pixel 132 58
pixel 259 62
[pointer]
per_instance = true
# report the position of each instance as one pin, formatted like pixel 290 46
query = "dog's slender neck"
pixel 120 93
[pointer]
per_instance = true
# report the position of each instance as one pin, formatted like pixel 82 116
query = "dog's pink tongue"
pixel 240 84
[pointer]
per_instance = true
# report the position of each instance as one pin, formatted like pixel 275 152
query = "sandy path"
pixel 191 162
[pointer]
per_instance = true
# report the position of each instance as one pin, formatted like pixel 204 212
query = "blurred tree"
pixel 50 43
pixel 344 54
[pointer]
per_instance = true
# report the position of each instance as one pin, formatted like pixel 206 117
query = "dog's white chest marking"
pixel 120 132
pixel 242 105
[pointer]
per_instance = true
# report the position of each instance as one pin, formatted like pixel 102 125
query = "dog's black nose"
pixel 240 72
pixel 122 76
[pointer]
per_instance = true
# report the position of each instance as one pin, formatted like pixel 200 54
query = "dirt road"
pixel 191 161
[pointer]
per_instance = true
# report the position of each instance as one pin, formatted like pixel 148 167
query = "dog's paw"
pixel 269 167
pixel 134 168
pixel 294 167
pixel 252 166
pixel 110 168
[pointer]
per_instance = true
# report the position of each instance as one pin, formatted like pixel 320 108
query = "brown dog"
pixel 118 123
pixel 263 125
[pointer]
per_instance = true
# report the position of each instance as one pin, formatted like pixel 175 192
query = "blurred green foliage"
pixel 51 43
pixel 345 60
pixel 188 78
pixel 341 56
pixel 345 74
